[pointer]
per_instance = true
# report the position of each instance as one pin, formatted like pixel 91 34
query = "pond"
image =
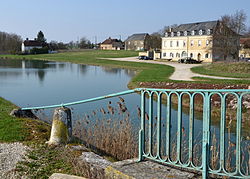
pixel 35 83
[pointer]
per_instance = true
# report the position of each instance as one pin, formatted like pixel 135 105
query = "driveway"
pixel 182 71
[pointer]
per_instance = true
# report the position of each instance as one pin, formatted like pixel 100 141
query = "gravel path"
pixel 182 71
pixel 10 155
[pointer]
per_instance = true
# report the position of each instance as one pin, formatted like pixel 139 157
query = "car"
pixel 188 60
pixel 143 57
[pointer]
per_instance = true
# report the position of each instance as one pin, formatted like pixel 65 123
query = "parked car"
pixel 188 60
pixel 142 57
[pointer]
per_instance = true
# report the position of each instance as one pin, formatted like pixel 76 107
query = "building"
pixel 137 42
pixel 27 45
pixel 244 48
pixel 111 44
pixel 206 41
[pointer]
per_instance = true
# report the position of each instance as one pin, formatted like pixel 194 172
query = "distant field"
pixel 235 70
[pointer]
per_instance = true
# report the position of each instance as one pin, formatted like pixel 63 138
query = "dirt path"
pixel 182 71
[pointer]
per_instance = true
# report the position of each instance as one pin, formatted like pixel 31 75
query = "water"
pixel 35 83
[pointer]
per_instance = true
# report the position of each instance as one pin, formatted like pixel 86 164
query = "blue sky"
pixel 65 20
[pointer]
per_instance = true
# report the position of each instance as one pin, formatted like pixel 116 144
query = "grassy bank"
pixel 41 160
pixel 234 70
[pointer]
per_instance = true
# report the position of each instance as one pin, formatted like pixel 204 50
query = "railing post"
pixel 205 139
pixel 61 130
pixel 141 132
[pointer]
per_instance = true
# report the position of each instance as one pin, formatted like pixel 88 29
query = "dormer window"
pixel 172 34
pixel 166 34
pixel 185 33
pixel 208 31
pixel 200 32
pixel 178 33
pixel 193 32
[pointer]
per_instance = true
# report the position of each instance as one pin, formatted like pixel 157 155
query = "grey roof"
pixel 140 36
pixel 196 26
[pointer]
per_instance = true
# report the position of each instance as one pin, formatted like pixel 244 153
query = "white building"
pixel 27 45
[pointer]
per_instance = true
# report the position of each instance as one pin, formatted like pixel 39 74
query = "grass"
pixel 234 70
pixel 219 81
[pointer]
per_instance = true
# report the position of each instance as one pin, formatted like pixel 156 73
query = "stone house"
pixel 244 48
pixel 27 45
pixel 137 42
pixel 206 41
pixel 111 44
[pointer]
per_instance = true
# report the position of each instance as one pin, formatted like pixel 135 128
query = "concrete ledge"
pixel 99 168
pixel 64 176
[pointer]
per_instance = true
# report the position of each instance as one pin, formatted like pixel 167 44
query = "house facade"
pixel 28 45
pixel 204 41
pixel 244 48
pixel 111 44
pixel 137 42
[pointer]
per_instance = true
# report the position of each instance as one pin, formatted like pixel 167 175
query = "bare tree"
pixel 10 43
pixel 236 22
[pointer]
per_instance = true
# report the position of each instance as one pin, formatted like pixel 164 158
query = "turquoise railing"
pixel 151 134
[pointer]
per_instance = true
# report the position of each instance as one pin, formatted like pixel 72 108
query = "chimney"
pixel 27 38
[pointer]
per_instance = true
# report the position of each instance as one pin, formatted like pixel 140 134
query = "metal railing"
pixel 151 134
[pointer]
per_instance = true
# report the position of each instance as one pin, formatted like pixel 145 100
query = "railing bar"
pixel 179 124
pixel 159 125
pixel 141 132
pixel 191 131
pixel 168 123
pixel 222 132
pixel 150 123
pixel 238 134
pixel 81 101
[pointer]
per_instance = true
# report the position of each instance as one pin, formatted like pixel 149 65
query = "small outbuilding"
pixel 28 45
pixel 111 44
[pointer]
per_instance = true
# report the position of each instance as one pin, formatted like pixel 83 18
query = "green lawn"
pixel 234 70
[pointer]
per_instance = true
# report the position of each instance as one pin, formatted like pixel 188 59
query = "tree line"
pixel 10 43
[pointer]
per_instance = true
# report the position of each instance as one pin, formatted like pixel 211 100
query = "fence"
pixel 156 138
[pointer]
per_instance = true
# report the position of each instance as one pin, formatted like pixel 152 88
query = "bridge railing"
pixel 223 148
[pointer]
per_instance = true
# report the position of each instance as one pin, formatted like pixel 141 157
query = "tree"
pixel 155 41
pixel 236 22
pixel 84 43
pixel 40 37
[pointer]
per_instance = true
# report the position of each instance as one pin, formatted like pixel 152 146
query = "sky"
pixel 67 20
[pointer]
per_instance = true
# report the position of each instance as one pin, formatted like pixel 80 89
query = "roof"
pixel 110 41
pixel 243 40
pixel 196 26
pixel 32 43
pixel 140 36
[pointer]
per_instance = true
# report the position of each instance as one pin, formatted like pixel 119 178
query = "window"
pixel 192 43
pixel 183 54
pixel 164 54
pixel 178 33
pixel 171 55
pixel 200 32
pixel 135 42
pixel 191 55
pixel 207 42
pixel 141 42
pixel 166 34
pixel 208 31
pixel 199 42
pixel 206 55
pixel 172 34
pixel 171 43
pixel 193 32
pixel 185 33
pixel 177 43
pixel 165 43
pixel 184 43
pixel 177 55
pixel 129 42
